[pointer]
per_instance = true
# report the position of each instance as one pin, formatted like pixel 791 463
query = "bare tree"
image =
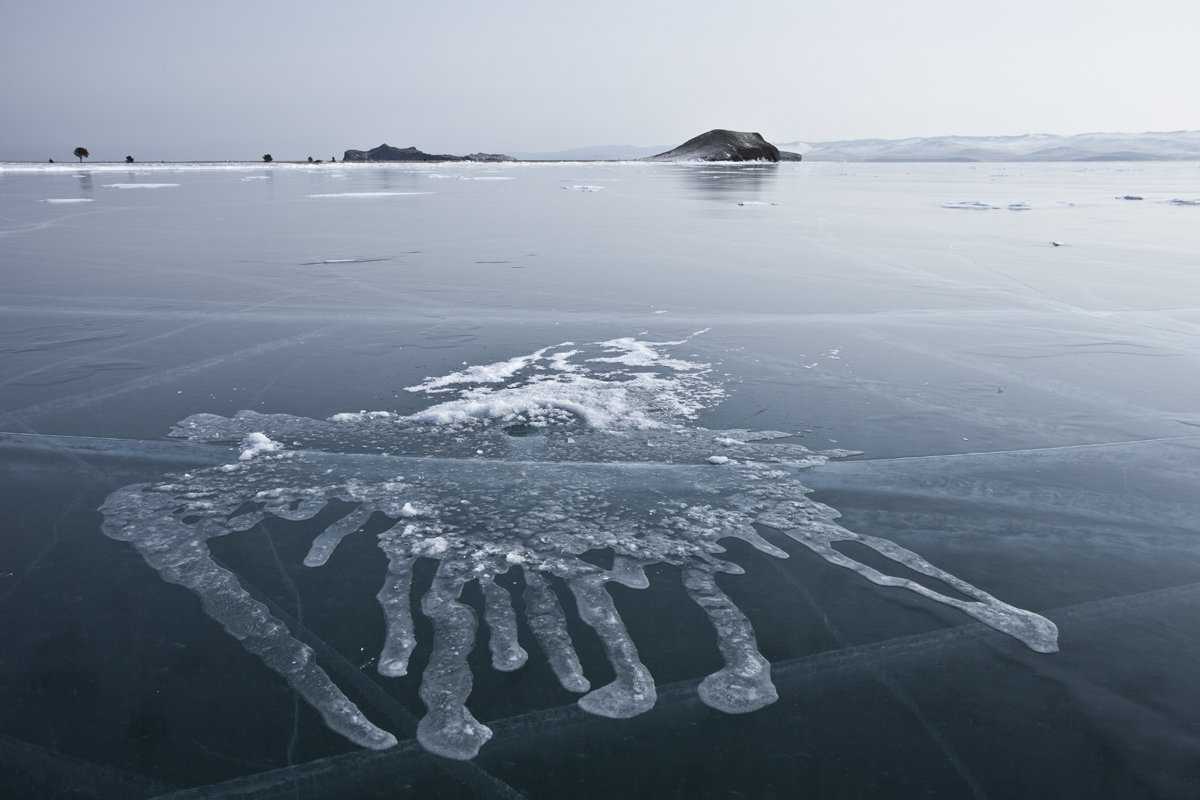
pixel 81 153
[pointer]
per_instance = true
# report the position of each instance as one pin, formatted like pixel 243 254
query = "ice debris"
pixel 256 443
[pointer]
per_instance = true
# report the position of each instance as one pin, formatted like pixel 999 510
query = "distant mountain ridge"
pixel 1168 146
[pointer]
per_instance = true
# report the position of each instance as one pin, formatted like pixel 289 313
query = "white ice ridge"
pixel 140 185
pixel 989 205
pixel 539 460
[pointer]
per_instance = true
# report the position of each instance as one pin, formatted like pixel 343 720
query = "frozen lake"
pixel 811 480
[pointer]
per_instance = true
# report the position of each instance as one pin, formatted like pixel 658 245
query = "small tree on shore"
pixel 128 159
pixel 81 153
pixel 268 158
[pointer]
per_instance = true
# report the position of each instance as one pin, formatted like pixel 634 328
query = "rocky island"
pixel 722 145
pixel 386 152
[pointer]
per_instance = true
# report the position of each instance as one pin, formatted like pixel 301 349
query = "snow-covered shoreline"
pixel 1036 147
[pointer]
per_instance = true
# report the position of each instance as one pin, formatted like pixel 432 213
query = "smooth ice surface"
pixel 449 377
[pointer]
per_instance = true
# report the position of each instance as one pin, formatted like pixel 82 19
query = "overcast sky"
pixel 218 79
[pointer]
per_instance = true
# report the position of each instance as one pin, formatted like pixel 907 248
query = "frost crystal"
pixel 535 461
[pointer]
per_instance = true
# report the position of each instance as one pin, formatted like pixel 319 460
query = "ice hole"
pixel 522 429
pixel 602 558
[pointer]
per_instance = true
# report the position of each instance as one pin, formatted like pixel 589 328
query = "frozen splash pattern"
pixel 524 464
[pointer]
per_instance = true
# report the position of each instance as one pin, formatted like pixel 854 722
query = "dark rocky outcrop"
pixel 723 145
pixel 387 153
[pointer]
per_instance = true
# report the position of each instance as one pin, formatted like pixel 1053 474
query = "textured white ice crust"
pixel 256 443
pixel 533 462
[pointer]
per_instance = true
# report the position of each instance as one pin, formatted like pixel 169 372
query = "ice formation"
pixel 531 463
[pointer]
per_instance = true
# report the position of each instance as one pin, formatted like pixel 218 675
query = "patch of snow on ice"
pixel 980 205
pixel 68 200
pixel 989 205
pixel 359 416
pixel 498 372
pixel 644 354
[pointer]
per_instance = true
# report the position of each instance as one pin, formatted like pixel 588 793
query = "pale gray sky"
pixel 219 79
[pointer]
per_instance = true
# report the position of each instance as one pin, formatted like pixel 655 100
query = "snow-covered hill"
pixel 1178 145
